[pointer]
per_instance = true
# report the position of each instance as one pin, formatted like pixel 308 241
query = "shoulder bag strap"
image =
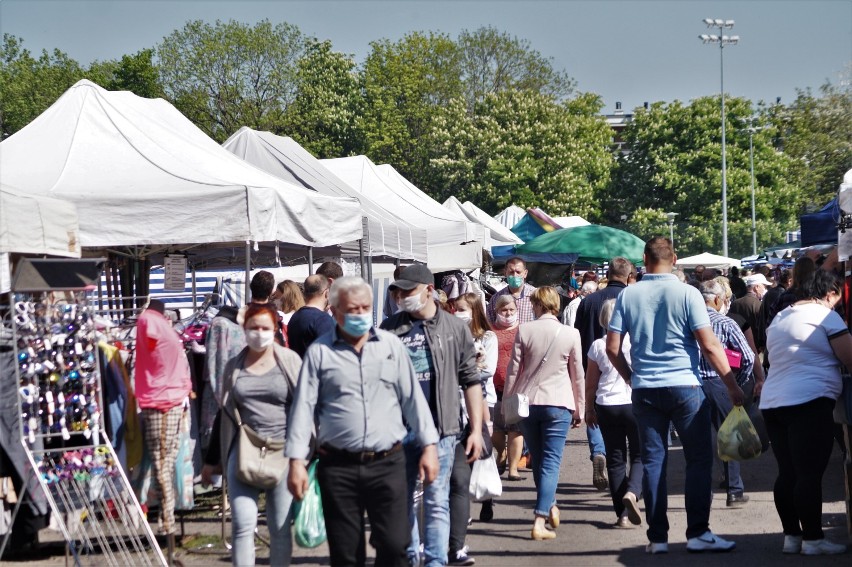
pixel 544 359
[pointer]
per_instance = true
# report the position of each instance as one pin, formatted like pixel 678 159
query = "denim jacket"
pixel 454 359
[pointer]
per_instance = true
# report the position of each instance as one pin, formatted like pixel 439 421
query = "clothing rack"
pixel 62 430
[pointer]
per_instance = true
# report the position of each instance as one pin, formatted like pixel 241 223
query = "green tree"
pixel 494 61
pixel 817 131
pixel 138 74
pixel 525 148
pixel 674 165
pixel 405 83
pixel 226 75
pixel 29 85
pixel 324 115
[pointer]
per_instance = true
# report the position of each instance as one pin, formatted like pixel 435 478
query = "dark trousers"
pixel 348 490
pixel 459 500
pixel 720 406
pixel 801 437
pixel 621 438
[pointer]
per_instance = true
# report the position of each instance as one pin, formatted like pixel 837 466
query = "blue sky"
pixel 629 51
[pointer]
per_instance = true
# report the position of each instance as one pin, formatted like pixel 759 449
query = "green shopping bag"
pixel 310 523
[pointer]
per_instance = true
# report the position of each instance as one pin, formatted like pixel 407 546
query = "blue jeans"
pixel 687 408
pixel 279 515
pixel 436 502
pixel 720 406
pixel 545 431
pixel 596 442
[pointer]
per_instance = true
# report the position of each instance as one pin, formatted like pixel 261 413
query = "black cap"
pixel 412 276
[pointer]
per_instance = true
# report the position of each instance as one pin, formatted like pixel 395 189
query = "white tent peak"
pixel 500 235
pixel 454 242
pixel 707 260
pixel 140 173
pixel 286 159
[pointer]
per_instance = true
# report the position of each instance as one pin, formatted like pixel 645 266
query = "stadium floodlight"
pixel 722 40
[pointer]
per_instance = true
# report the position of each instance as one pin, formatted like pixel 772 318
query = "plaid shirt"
pixel 525 312
pixel 731 337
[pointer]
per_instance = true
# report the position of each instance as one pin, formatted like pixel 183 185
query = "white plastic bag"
pixel 485 480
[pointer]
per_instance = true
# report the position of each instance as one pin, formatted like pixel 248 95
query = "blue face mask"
pixel 514 281
pixel 357 325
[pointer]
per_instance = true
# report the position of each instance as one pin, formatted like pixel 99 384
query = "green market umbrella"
pixel 593 243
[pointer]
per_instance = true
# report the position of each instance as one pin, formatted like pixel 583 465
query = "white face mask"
pixel 464 315
pixel 412 303
pixel 507 321
pixel 259 340
pixel 725 306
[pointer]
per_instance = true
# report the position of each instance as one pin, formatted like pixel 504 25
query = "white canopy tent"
pixel 453 243
pixel 284 158
pixel 499 234
pixel 844 200
pixel 141 174
pixel 35 224
pixel 707 260
pixel 510 216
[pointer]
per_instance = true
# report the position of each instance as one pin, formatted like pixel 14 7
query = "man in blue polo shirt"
pixel 668 326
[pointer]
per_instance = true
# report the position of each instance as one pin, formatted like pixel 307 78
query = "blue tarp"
pixel 821 227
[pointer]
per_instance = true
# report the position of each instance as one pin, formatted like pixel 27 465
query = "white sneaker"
pixel 792 544
pixel 709 542
pixel 822 547
pixel 656 548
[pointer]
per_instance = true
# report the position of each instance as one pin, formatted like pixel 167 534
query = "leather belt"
pixel 358 457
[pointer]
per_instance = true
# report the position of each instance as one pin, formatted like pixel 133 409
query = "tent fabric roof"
pixel 500 235
pixel 35 224
pixel 821 227
pixel 453 242
pixel 284 158
pixel 140 173
pixel 707 260
pixel 510 216
pixel 571 222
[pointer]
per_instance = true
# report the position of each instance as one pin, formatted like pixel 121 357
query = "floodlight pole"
pixel 722 40
pixel 751 166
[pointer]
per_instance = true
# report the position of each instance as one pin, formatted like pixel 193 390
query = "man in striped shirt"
pixel 732 338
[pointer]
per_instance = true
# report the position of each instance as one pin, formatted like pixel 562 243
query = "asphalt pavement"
pixel 586 535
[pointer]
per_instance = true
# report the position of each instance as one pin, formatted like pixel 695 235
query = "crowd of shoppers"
pixel 389 409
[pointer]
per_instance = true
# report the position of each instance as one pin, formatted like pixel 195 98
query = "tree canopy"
pixel 227 75
pixel 484 117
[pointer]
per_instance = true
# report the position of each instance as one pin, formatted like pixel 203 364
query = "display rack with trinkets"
pixel 61 421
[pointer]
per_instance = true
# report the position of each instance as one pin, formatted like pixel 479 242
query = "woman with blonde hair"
pixel 547 366
pixel 288 298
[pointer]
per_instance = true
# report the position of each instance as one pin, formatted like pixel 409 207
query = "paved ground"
pixel 586 536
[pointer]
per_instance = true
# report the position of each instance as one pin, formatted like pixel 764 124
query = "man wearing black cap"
pixel 444 358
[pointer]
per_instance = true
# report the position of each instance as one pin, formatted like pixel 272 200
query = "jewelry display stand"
pixel 62 417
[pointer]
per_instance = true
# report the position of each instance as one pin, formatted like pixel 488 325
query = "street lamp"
pixel 751 131
pixel 722 40
pixel 671 217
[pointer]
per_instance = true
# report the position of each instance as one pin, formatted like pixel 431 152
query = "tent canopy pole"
pixel 248 269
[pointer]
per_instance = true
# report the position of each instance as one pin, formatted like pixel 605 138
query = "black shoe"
pixel 486 514
pixel 736 500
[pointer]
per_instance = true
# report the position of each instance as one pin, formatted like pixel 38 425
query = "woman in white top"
pixel 609 406
pixel 806 344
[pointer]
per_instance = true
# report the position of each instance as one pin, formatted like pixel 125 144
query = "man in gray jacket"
pixel 444 358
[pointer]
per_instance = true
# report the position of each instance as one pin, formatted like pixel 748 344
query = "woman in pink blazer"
pixel 547 366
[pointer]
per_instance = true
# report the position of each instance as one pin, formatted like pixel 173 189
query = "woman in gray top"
pixel 259 383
